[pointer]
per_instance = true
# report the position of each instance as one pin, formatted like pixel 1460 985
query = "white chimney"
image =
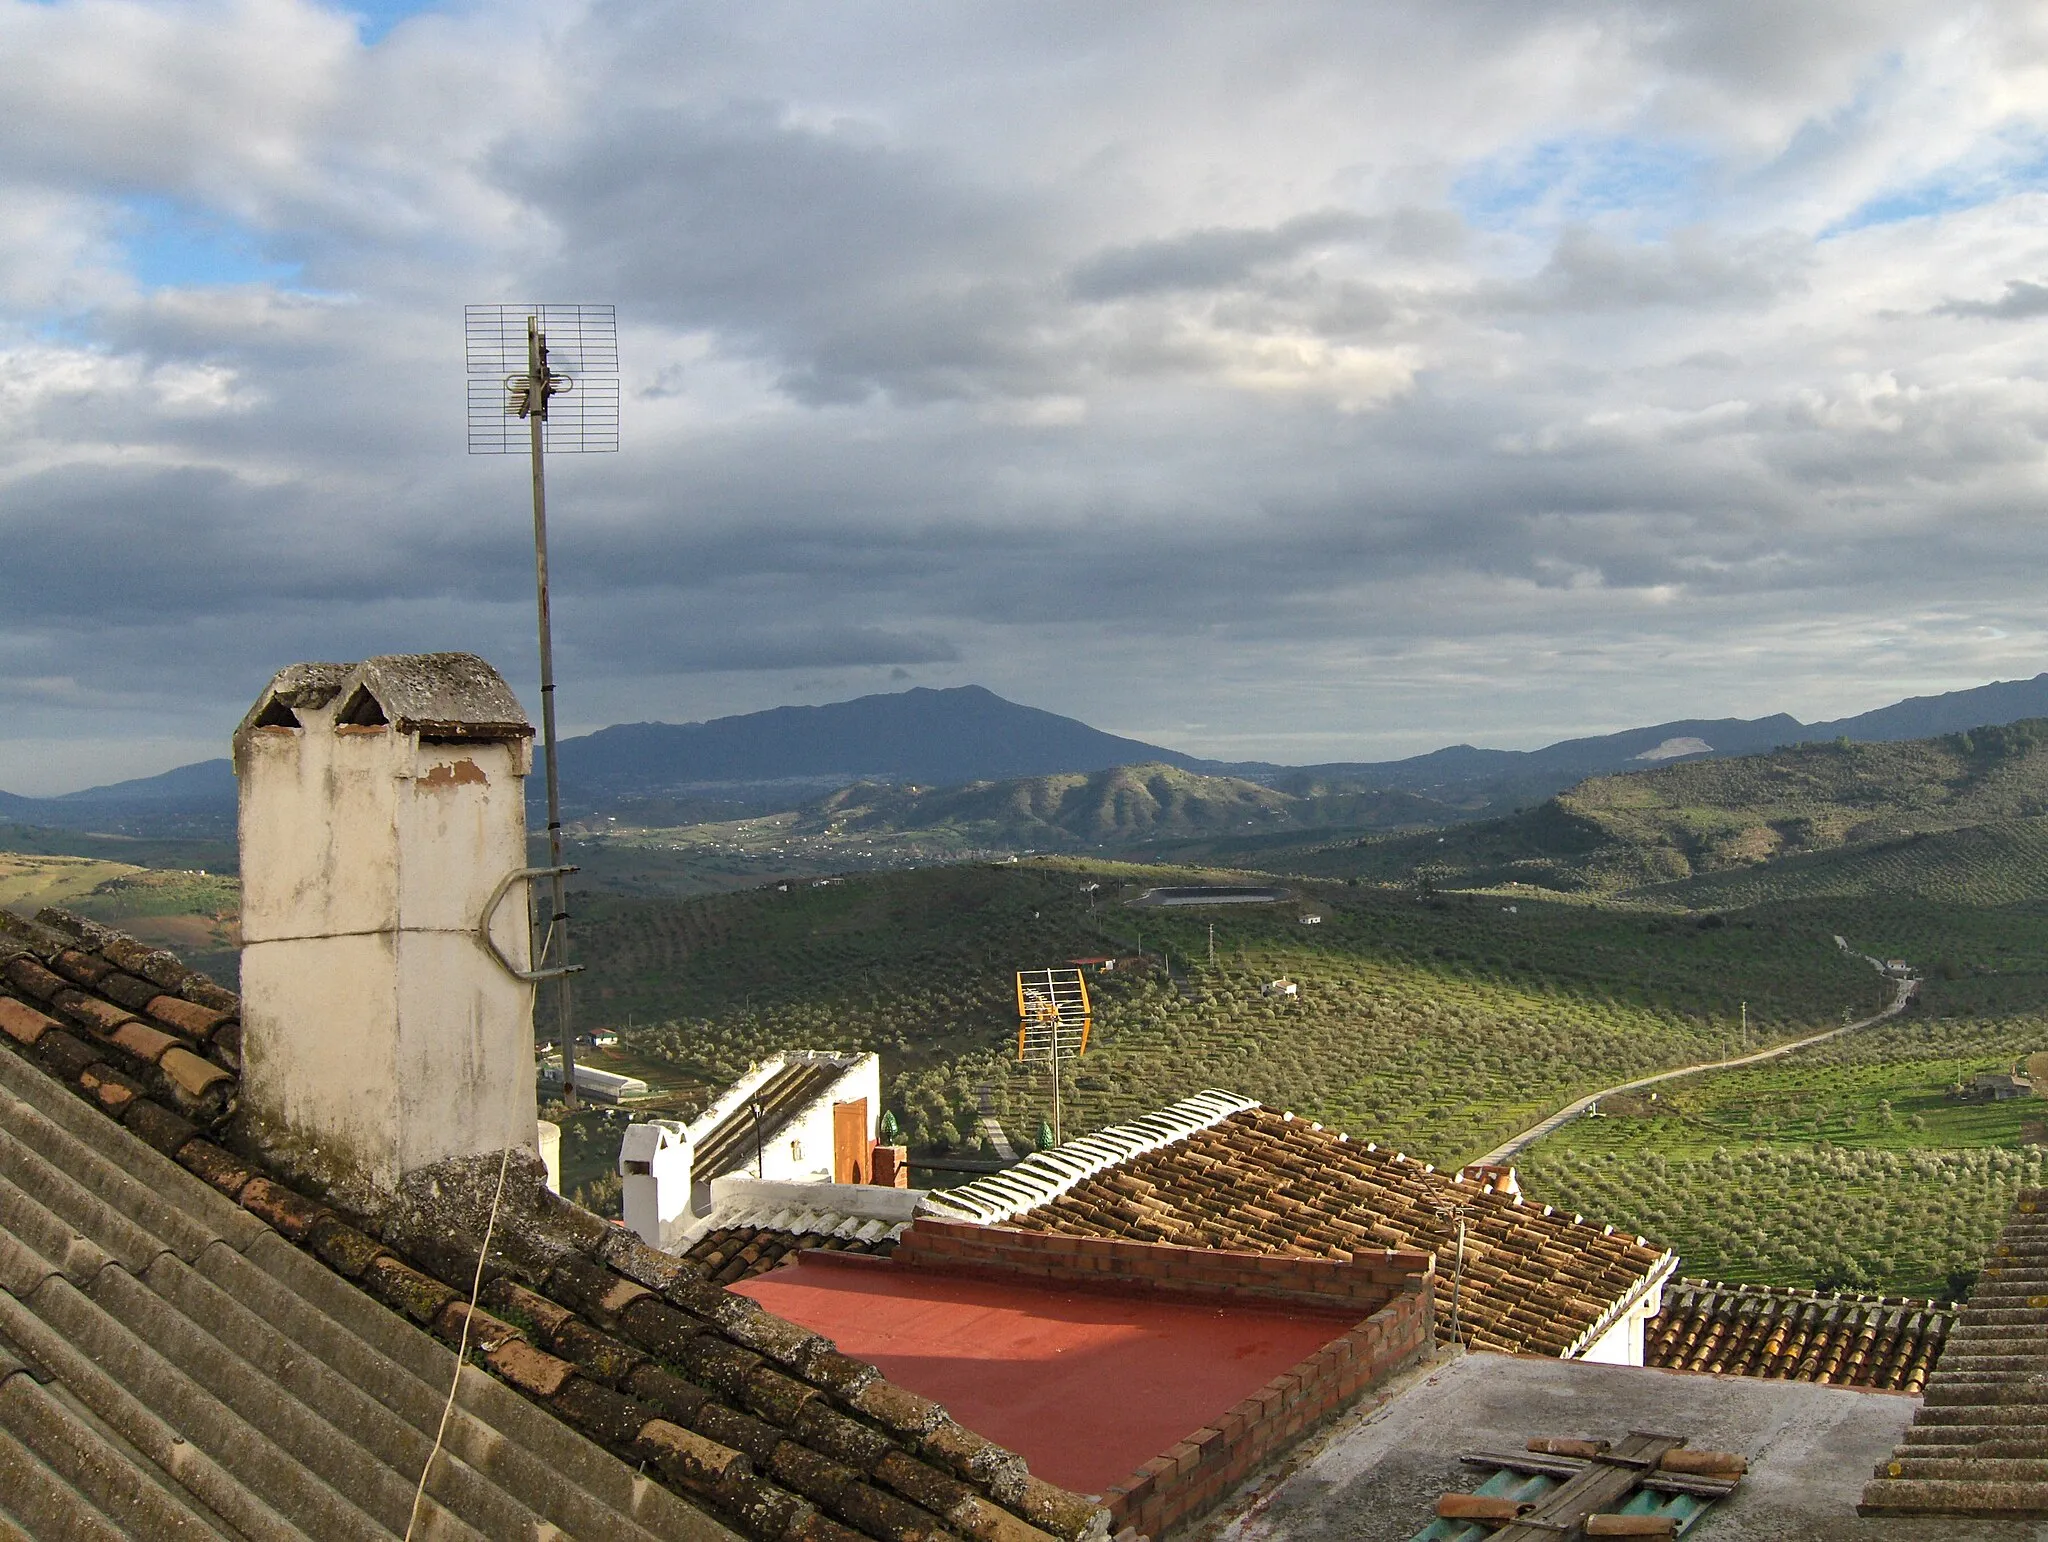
pixel 654 1179
pixel 382 804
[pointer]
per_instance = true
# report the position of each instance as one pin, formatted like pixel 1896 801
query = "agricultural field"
pixel 1980 867
pixel 194 914
pixel 1441 1024
pixel 29 881
pixel 1852 1163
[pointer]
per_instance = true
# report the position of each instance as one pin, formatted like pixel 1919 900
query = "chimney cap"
pixel 457 695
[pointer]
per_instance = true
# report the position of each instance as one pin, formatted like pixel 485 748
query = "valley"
pixel 1462 978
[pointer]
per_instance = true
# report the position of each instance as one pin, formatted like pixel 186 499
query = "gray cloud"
pixel 1169 371
pixel 1209 259
pixel 816 648
pixel 2022 299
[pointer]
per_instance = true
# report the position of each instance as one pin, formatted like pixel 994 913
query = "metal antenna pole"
pixel 557 930
pixel 1055 1088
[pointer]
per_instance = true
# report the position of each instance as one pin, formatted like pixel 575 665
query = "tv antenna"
pixel 556 367
pixel 1053 1018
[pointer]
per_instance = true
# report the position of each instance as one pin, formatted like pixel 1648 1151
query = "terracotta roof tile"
pixel 1259 1181
pixel 732 1253
pixel 1886 1342
pixel 760 1421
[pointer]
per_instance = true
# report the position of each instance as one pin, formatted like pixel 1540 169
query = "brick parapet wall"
pixel 1196 1474
pixel 1396 1289
pixel 1359 1285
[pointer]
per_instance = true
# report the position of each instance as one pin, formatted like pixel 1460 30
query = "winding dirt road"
pixel 1508 1149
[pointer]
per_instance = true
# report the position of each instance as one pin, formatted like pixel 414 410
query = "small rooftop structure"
pixel 800 1095
pixel 1374 1477
pixel 795 1126
pixel 380 806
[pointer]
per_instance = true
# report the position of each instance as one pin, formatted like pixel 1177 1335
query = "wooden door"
pixel 850 1156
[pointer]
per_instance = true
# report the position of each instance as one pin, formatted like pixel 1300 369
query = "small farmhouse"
pixel 1998 1087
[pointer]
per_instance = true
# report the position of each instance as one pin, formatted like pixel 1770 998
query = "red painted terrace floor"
pixel 1085 1385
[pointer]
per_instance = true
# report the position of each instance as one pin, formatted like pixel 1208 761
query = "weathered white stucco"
pixel 380 1035
pixel 654 1175
pixel 801 1151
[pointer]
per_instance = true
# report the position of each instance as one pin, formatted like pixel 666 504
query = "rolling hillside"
pixel 1682 822
pixel 1443 1026
pixel 1120 807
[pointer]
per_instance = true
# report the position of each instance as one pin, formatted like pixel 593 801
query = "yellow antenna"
pixel 1053 1019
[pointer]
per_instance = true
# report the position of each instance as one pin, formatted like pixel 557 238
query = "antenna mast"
pixel 511 377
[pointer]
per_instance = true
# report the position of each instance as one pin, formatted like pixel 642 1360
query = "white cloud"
pixel 1361 376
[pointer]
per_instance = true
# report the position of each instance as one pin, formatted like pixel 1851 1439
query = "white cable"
pixel 462 1352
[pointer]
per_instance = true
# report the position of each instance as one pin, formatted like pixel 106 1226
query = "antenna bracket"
pixel 483 927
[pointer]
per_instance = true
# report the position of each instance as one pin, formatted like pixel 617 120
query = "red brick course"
pixel 1196 1474
pixel 1363 1282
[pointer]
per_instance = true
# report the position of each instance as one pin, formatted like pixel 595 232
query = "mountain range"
pixel 790 757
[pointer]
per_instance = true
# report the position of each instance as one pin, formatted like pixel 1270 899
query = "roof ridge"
pixel 1045 1175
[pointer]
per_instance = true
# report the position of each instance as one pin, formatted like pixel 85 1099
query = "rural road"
pixel 1508 1149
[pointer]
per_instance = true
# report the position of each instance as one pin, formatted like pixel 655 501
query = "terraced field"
pixel 1981 867
pixel 1850 1163
pixel 1440 1025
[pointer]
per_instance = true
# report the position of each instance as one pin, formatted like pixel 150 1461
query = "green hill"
pixel 1442 1026
pixel 1113 807
pixel 1754 814
pixel 1122 807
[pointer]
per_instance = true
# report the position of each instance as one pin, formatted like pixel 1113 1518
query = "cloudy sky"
pixel 1288 381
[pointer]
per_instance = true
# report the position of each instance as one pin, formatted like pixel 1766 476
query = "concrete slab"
pixel 1376 1476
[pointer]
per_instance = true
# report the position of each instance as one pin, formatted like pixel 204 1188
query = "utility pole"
pixel 1212 944
pixel 1745 1025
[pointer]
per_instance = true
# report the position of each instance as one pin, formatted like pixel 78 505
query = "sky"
pixel 1298 382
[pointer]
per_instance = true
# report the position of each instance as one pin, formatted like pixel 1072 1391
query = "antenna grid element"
pixel 1053 1019
pixel 579 407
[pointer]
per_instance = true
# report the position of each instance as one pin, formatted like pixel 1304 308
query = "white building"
pixel 795 1135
